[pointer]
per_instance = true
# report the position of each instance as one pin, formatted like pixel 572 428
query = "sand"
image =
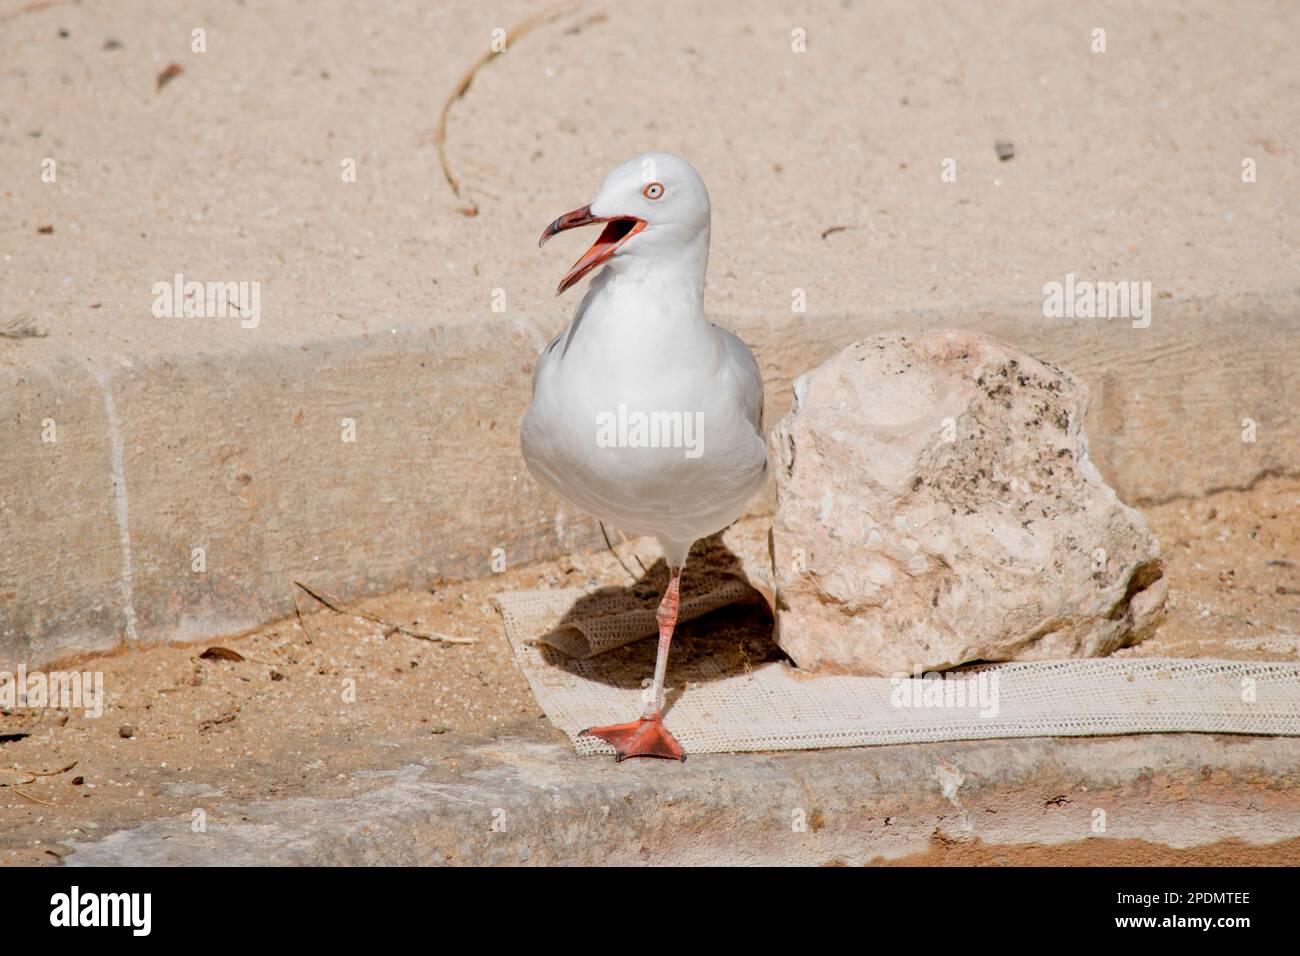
pixel 824 166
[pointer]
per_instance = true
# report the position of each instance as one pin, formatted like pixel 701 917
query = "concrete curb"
pixel 529 800
pixel 244 457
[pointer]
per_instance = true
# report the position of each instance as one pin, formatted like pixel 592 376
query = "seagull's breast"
pixel 648 427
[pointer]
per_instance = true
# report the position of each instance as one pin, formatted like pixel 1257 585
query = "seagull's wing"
pixel 745 368
pixel 549 354
pixel 555 352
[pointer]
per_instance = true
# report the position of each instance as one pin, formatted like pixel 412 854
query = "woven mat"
pixel 584 656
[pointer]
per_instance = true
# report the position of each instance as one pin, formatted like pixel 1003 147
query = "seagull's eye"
pixel 653 190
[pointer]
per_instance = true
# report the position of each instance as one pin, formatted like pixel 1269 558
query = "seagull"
pixel 645 414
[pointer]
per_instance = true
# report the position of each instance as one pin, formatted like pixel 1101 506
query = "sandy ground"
pixel 824 166
pixel 179 729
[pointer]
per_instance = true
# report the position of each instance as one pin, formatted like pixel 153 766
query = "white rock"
pixel 936 506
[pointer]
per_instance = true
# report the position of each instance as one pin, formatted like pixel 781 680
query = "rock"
pixel 936 506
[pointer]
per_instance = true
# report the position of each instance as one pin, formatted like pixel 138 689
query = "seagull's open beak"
pixel 618 230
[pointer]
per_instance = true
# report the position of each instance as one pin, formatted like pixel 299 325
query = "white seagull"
pixel 645 414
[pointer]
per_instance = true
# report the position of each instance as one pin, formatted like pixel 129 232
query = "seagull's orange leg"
pixel 648 737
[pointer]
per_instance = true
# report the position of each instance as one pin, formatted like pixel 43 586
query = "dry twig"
pixel 618 557
pixel 334 604
pixel 302 622
pixel 515 33
pixel 23 793
pixel 21 326
pixel 35 6
pixel 31 776
pixel 36 773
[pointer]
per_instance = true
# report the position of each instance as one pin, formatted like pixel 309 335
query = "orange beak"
pixel 618 230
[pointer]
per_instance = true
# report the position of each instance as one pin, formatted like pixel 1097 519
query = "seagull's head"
pixel 652 207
